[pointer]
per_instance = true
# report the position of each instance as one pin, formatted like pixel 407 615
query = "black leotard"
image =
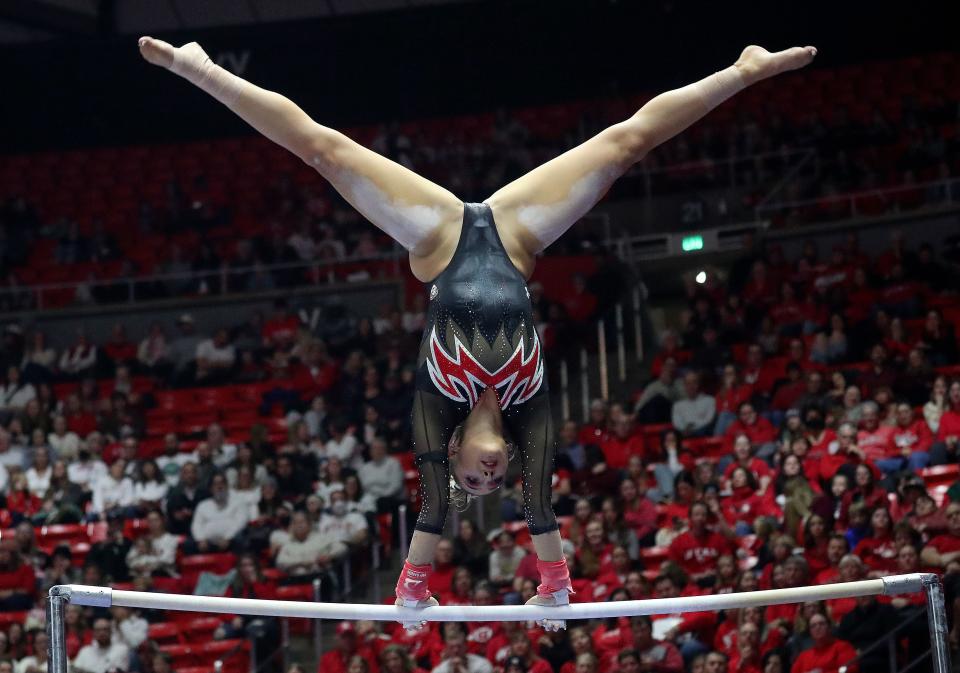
pixel 480 333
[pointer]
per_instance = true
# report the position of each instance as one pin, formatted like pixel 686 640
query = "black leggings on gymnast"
pixel 530 425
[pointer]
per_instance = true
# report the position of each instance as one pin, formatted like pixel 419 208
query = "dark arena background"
pixel 209 357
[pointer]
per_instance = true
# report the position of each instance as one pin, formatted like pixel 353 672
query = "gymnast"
pixel 480 378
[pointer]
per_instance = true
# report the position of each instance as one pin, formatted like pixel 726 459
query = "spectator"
pixel 64 499
pixel 944 549
pixel 154 553
pixel 693 414
pixel 173 459
pixel 869 622
pixel 456 658
pixel 78 360
pixel 110 554
pixel 759 431
pixel 343 443
pixel 64 442
pixel 22 503
pixel 937 404
pixel 113 492
pixel 654 655
pixel 153 353
pixel 39 359
pixel 656 400
pixel 182 351
pixel 306 552
pixel 948 429
pixel 911 438
pixel 337 660
pixel 218 522
pixel 17 581
pixel 119 350
pixel 15 393
pixel 828 654
pixel 696 550
pixel 105 653
pixel 505 559
pixel 184 499
pixel 339 524
pixel 382 477
pixel 149 487
pixel 875 441
pixel 129 628
pixel 38 661
pixel 216 358
pixel 38 476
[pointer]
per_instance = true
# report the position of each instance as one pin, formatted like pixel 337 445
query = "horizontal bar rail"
pixel 107 597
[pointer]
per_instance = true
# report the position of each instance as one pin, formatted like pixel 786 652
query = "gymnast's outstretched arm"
pixel 403 204
pixel 534 210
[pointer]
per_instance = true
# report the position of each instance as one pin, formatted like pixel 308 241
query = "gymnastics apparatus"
pixel 104 597
pixel 480 377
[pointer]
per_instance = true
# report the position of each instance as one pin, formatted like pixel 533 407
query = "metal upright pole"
pixel 317 623
pixel 584 385
pixel 637 323
pixel 375 562
pixel 285 640
pixel 937 620
pixel 602 359
pixel 621 346
pixel 564 389
pixel 402 527
pixel 57 630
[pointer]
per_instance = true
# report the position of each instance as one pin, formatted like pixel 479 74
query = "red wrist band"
pixel 554 577
pixel 413 584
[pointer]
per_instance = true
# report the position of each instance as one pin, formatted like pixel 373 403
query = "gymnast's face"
pixel 479 463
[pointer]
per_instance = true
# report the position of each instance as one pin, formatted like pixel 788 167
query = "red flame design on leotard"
pixel 462 378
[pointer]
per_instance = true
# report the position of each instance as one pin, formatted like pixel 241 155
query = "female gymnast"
pixel 480 367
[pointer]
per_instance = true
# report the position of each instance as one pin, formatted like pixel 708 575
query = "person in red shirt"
pixel 17 581
pixel 623 443
pixel 746 502
pixel 120 349
pixel 697 550
pixel 729 397
pixel 875 441
pixel 580 304
pixel 595 557
pixel 878 550
pixel 280 330
pixel 911 439
pixel 837 548
pixel 827 654
pixel 699 625
pixel 761 375
pixel 944 549
pixel 746 657
pixel 337 660
pixel 594 431
pixel 658 656
pixel 639 511
pixel 948 432
pixel 742 457
pixel 761 432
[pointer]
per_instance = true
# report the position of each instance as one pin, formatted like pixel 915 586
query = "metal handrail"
pixel 889 641
pixel 851 197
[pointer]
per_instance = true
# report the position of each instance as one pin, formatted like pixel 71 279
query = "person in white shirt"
pixel 342 444
pixel 306 551
pixel 382 475
pixel 38 476
pixel 129 627
pixel 456 658
pixel 112 491
pixel 15 394
pixel 693 414
pixel 218 520
pixel 173 459
pixel 104 653
pixel 11 456
pixel 215 357
pixel 224 452
pixel 4 478
pixel 505 559
pixel 37 662
pixel 340 524
pixel 150 487
pixel 246 490
pixel 62 440
pixel 88 469
pixel 155 552
pixel 79 357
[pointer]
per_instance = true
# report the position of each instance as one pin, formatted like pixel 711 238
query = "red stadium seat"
pixel 165 633
pixel 297 592
pixel 68 533
pixel 940 474
pixel 653 557
pixel 200 629
pixel 214 563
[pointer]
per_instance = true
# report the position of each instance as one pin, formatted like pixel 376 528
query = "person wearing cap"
pixel 348 645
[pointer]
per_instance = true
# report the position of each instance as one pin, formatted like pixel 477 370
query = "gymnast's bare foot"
pixel 756 63
pixel 548 601
pixel 161 53
pixel 413 627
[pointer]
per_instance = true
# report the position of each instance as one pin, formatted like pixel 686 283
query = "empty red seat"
pixel 200 629
pixel 165 633
pixel 214 563
pixel 66 532
pixel 940 474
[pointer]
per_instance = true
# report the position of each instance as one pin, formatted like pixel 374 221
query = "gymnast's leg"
pixel 531 426
pixel 408 207
pixel 534 210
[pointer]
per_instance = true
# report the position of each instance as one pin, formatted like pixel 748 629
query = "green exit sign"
pixel 691 243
